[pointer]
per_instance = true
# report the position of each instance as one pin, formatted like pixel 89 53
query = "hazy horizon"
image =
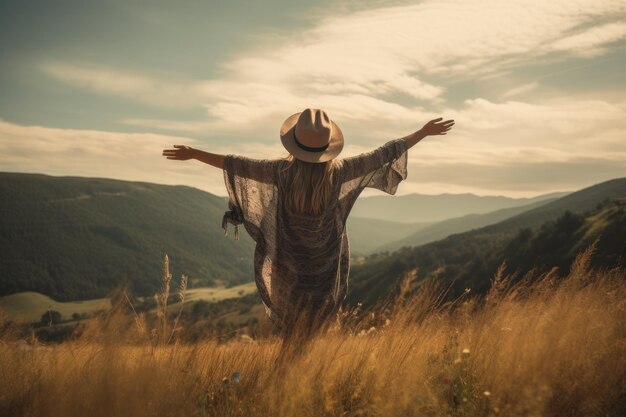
pixel 536 88
pixel 365 194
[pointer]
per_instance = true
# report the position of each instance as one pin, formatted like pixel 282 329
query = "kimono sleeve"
pixel 250 186
pixel 383 168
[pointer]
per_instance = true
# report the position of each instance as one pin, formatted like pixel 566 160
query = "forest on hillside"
pixel 471 259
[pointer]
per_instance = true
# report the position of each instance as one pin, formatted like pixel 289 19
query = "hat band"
pixel 309 148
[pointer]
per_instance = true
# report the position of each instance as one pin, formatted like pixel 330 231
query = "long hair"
pixel 309 185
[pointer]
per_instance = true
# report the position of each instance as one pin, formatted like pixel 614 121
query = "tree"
pixel 50 317
pixel 200 309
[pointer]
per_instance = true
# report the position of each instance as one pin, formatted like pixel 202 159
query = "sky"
pixel 536 88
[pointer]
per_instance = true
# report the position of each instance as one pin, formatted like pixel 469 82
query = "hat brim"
pixel 287 136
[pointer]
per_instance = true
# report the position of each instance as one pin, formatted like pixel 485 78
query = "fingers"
pixel 173 156
pixel 447 125
pixel 436 122
pixel 177 154
pixel 172 151
pixel 442 128
pixel 177 149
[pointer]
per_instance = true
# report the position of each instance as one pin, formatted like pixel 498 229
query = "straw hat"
pixel 311 136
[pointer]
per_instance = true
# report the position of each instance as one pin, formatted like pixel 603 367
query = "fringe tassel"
pixel 233 216
pixel 225 224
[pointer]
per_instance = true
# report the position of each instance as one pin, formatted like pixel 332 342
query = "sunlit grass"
pixel 542 347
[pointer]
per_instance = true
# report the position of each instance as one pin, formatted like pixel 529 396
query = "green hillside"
pixel 545 236
pixel 77 238
pixel 433 232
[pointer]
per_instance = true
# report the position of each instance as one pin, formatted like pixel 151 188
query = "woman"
pixel 295 209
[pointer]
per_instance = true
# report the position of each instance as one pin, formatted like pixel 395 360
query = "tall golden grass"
pixel 545 346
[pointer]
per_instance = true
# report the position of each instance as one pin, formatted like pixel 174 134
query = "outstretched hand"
pixel 432 128
pixel 180 153
pixel 436 127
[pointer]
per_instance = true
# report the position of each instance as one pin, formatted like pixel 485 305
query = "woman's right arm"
pixel 184 153
pixel 371 164
pixel 370 161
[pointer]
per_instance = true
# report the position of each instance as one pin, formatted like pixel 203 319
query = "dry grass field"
pixel 541 347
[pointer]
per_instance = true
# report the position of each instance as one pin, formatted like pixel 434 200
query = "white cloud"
pixel 172 125
pixel 397 49
pixel 381 74
pixel 152 91
pixel 495 148
pixel 521 89
pixel 590 42
pixel 353 64
pixel 128 156
pixel 499 134
pixel 517 179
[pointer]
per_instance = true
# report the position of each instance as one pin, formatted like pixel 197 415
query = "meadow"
pixel 30 306
pixel 540 346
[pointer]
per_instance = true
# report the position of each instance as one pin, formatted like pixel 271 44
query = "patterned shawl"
pixel 302 257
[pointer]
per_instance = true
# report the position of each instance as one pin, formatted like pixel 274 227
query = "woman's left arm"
pixel 184 153
pixel 432 128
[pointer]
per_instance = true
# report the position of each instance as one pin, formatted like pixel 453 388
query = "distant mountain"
pixel 76 238
pixel 433 232
pixel 368 234
pixel 414 208
pixel 545 236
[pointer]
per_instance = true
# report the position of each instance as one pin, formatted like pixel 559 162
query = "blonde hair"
pixel 309 185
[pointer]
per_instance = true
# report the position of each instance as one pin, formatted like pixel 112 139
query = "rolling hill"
pixel 544 236
pixel 30 306
pixel 421 208
pixel 440 230
pixel 77 238
pixel 74 238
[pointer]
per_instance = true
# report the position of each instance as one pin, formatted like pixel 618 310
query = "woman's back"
pixel 300 256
